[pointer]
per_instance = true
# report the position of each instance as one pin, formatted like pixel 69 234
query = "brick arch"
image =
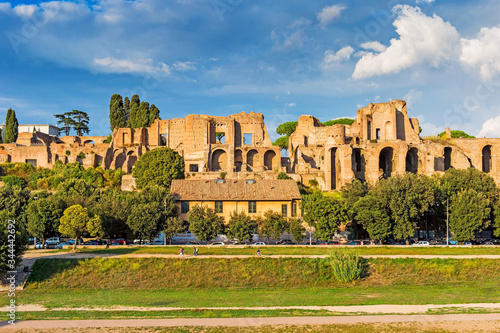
pixel 219 160
pixel 412 160
pixel 270 160
pixel 238 160
pixel 386 162
pixel 253 159
pixel 486 159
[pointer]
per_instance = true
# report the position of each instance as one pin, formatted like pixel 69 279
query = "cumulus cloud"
pixel 184 66
pixel 5 6
pixel 25 11
pixel 334 58
pixel 424 1
pixel 422 39
pixel 490 128
pixel 122 66
pixel 374 46
pixel 412 97
pixel 328 14
pixel 482 52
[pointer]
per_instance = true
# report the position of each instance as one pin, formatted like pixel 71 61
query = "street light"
pixel 447 220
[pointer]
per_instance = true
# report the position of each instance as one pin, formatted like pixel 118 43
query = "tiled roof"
pixel 239 189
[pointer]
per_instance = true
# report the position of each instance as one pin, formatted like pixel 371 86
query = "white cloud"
pixel 334 58
pixel 482 52
pixel 291 105
pixel 491 128
pixel 374 46
pixel 25 11
pixel 423 39
pixel 5 6
pixel 328 14
pixel 292 37
pixel 63 11
pixel 121 66
pixel 184 66
pixel 424 1
pixel 412 97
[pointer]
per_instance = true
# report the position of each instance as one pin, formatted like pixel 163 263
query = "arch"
pixel 89 142
pixel 335 169
pixel 270 160
pixel 447 158
pixel 253 159
pixel 412 160
pixel 219 160
pixel 388 131
pixel 385 162
pixel 486 157
pixel 238 160
pixel 358 164
pixel 119 160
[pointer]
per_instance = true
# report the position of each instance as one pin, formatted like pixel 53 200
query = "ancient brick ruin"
pixel 382 141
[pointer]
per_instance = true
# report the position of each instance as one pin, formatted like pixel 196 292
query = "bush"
pixel 347 266
pixel 15 181
pixel 283 175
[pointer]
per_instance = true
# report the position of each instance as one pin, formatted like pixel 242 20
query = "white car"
pixel 421 243
pixel 218 243
pixel 52 241
pixel 259 244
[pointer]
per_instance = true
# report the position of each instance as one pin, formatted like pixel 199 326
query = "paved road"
pixel 54 324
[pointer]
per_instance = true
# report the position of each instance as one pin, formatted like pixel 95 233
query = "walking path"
pixel 373 309
pixel 494 322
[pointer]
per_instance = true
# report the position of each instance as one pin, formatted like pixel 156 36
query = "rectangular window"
pixel 193 167
pixel 247 139
pixel 184 207
pixel 252 207
pixel 378 134
pixel 284 210
pixel 219 207
pixel 294 209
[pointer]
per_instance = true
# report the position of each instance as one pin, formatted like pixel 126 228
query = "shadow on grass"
pixel 45 269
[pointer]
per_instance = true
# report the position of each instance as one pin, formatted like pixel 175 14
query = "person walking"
pixel 258 252
pixel 181 252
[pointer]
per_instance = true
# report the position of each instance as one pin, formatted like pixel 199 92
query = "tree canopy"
pixel 342 121
pixel 141 113
pixel 11 127
pixel 287 128
pixel 76 221
pixel 43 215
pixel 158 166
pixel 469 214
pixel 456 134
pixel 205 223
pixel 241 227
pixel 117 114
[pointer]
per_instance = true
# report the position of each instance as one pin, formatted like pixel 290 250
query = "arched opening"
pixel 447 158
pixel 335 171
pixel 385 162
pixel 270 160
pixel 120 160
pixel 238 160
pixel 219 160
pixel 368 130
pixel 89 143
pixel 486 159
pixel 252 159
pixel 412 160
pixel 358 164
pixel 388 131
pixel 131 159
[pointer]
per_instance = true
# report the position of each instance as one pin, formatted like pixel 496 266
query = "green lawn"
pixel 301 250
pixel 250 282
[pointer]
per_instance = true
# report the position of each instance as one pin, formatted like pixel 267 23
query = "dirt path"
pixel 373 309
pixel 491 321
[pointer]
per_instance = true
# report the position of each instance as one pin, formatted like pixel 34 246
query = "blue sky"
pixel 282 58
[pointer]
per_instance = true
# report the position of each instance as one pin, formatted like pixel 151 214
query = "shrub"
pixel 347 266
pixel 15 181
pixel 222 175
pixel 283 175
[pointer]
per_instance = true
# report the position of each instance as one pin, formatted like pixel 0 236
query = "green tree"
pixel 76 221
pixel 205 223
pixel 273 225
pixel 134 112
pixel 81 122
pixel 44 216
pixel 11 249
pixel 296 229
pixel 351 193
pixel 14 200
pixel 342 121
pixel 282 142
pixel 469 214
pixel 11 127
pixel 126 107
pixel 146 220
pixel 282 175
pixel 174 225
pixel 406 198
pixel 66 120
pixel 117 114
pixel 455 180
pixel 496 220
pixel 287 128
pixel 219 136
pixel 154 113
pixel 78 192
pixel 14 181
pixel 158 166
pixel 455 134
pixel 373 218
pixel 113 210
pixel 241 227
pixel 323 213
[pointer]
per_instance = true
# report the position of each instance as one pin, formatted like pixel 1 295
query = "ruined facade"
pixel 382 141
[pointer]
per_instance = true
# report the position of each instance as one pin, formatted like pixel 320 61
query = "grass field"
pixel 301 250
pixel 250 282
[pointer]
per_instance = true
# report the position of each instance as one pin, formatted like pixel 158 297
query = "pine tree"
pixel 66 120
pixel 154 113
pixel 143 115
pixel 126 106
pixel 81 122
pixel 117 115
pixel 11 127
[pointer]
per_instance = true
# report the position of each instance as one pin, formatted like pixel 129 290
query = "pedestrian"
pixel 197 250
pixel 181 252
pixel 258 252
pixel 194 250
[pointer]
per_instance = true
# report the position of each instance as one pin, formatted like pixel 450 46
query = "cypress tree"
pixel 117 115
pixel 143 115
pixel 126 106
pixel 134 121
pixel 11 127
pixel 154 113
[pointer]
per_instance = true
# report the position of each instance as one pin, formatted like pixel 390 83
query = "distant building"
pixel 46 129
pixel 252 197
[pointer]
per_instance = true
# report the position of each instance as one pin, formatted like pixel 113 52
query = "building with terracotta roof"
pixel 253 197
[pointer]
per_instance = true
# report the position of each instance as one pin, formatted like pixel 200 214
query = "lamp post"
pixel 447 222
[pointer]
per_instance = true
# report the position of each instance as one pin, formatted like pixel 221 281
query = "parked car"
pixel 119 241
pixel 421 243
pixel 52 241
pixel 156 242
pixel 490 241
pixel 38 245
pixel 259 244
pixel 61 245
pixel 193 243
pixel 354 242
pixel 287 242
pixel 95 242
pixel 333 243
pixel 218 243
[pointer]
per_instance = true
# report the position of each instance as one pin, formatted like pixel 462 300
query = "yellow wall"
pixel 242 206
